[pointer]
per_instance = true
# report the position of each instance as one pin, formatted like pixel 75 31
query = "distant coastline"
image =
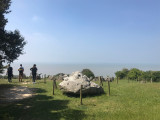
pixel 105 69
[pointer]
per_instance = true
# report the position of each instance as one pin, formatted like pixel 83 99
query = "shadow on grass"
pixel 4 86
pixel 40 107
pixel 84 95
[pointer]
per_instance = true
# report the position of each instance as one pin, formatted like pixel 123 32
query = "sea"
pixel 105 69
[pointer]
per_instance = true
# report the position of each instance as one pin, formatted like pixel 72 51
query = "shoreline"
pixel 98 69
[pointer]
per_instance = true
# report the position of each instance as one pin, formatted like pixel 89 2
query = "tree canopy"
pixel 88 73
pixel 139 75
pixel 134 73
pixel 11 42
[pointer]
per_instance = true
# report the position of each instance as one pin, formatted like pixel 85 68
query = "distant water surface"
pixel 98 69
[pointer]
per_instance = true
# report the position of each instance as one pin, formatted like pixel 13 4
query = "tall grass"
pixel 127 101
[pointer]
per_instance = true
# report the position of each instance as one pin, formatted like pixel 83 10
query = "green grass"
pixel 128 101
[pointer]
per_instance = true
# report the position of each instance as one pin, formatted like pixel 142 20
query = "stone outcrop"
pixel 59 76
pixel 72 84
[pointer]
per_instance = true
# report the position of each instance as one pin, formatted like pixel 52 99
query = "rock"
pixel 73 83
pixel 96 79
pixel 50 77
pixel 59 76
pixel 109 79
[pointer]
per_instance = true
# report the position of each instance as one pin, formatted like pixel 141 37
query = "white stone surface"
pixel 73 83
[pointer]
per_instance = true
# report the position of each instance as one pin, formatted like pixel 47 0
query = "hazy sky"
pixel 88 31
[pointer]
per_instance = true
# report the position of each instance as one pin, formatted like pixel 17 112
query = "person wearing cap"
pixel 9 73
pixel 34 73
pixel 21 70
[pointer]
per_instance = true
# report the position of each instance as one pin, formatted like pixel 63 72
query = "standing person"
pixel 21 70
pixel 34 73
pixel 10 73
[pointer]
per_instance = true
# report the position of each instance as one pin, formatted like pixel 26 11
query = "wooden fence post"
pixel 108 87
pixel 117 79
pixel 53 87
pixel 45 78
pixel 151 79
pixel 81 94
pixel 100 81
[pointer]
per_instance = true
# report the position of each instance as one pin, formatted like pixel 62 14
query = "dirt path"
pixel 15 93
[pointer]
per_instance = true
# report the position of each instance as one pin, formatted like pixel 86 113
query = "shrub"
pixel 88 73
pixel 156 76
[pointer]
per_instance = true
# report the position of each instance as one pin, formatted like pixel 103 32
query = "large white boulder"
pixel 72 84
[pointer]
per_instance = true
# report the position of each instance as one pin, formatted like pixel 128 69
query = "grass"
pixel 128 101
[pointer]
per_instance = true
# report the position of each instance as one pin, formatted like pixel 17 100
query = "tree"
pixel 11 43
pixel 156 76
pixel 147 75
pixel 122 74
pixel 88 73
pixel 134 73
pixel 125 72
pixel 4 9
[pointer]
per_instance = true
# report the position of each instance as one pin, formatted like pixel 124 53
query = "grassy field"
pixel 128 101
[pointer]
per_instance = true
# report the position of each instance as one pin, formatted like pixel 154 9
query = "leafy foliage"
pixel 146 75
pixel 136 74
pixel 119 74
pixel 156 76
pixel 13 46
pixel 122 74
pixel 11 43
pixel 4 9
pixel 88 73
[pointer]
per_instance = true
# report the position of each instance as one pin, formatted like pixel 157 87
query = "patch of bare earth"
pixel 15 93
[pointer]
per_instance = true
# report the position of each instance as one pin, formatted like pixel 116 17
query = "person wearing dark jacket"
pixel 21 70
pixel 10 73
pixel 34 73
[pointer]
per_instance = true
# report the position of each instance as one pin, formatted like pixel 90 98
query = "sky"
pixel 87 31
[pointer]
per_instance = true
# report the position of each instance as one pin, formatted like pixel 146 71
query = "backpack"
pixel 20 70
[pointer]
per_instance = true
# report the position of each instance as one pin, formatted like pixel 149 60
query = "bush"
pixel 139 75
pixel 134 73
pixel 156 76
pixel 88 73
pixel 119 74
pixel 122 74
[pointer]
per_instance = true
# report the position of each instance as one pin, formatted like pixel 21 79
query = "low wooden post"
pixel 139 80
pixel 45 78
pixel 53 87
pixel 151 79
pixel 108 87
pixel 30 77
pixel 145 80
pixel 100 81
pixel 101 78
pixel 117 79
pixel 81 95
